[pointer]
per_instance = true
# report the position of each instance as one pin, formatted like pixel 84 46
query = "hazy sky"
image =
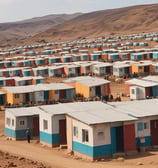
pixel 13 10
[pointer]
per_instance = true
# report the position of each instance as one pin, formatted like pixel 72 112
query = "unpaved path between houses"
pixel 55 158
pixel 59 159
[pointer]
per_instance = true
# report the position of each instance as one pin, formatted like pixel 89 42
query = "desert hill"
pixel 29 27
pixel 120 21
pixel 127 20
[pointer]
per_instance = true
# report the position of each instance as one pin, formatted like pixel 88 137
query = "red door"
pixel 62 94
pixel 36 126
pixel 154 132
pixel 62 131
pixel 129 138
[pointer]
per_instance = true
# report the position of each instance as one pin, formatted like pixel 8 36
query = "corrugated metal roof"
pixel 88 112
pixel 102 65
pixel 95 112
pixel 38 87
pixel 138 108
pixel 143 83
pixel 88 80
pixel 151 78
pixel 24 111
pixel 121 65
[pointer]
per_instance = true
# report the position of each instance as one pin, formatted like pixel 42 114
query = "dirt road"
pixel 59 159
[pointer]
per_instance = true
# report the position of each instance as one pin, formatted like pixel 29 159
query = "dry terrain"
pixel 121 21
pixel 135 19
pixel 14 31
pixel 34 155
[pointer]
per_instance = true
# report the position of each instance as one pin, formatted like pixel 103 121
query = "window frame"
pixel 45 124
pixel 85 135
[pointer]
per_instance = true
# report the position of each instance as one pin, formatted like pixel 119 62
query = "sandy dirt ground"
pixel 35 155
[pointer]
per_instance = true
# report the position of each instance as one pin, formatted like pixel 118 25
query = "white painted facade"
pixel 39 96
pixel 81 126
pixel 137 93
pixel 101 134
pixel 12 119
pixel 56 95
pixel 92 92
pixel 48 118
pixel 145 131
pixel 55 123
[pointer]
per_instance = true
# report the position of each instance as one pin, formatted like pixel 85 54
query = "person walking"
pixel 28 135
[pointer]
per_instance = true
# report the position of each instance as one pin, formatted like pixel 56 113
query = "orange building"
pixel 89 87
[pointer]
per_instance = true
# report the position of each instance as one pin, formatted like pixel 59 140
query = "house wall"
pixel 39 96
pixel 51 95
pixel 102 138
pixel 46 136
pixel 116 72
pixel 105 139
pixel 142 132
pixel 134 69
pixel 127 88
pixel 12 100
pixel 151 69
pixel 66 70
pixel 18 131
pixel 56 95
pixel 50 136
pixel 92 92
pixel 78 146
pixel 82 89
pixel 9 128
pixel 139 93
pixel 69 132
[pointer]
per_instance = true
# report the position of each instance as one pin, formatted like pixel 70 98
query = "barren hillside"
pixel 107 22
pixel 135 19
pixel 22 29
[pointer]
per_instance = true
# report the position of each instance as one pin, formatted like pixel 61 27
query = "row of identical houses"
pixel 142 88
pixel 119 69
pixel 20 81
pixel 88 87
pixel 82 45
pixel 93 130
pixel 106 55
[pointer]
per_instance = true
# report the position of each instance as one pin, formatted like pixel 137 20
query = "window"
pixel 75 130
pixel 140 67
pixel 121 69
pixel 145 125
pixel 40 94
pixel 85 136
pixel 22 122
pixel 16 96
pixel 8 121
pixel 45 124
pixel 133 91
pixel 12 122
pixel 140 126
pixel 115 69
pixel 100 135
pixel 88 68
pixel 155 124
pixel 56 92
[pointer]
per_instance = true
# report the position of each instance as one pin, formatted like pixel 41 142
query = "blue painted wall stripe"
pixel 16 133
pixel 50 138
pixel 96 151
pixel 147 141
